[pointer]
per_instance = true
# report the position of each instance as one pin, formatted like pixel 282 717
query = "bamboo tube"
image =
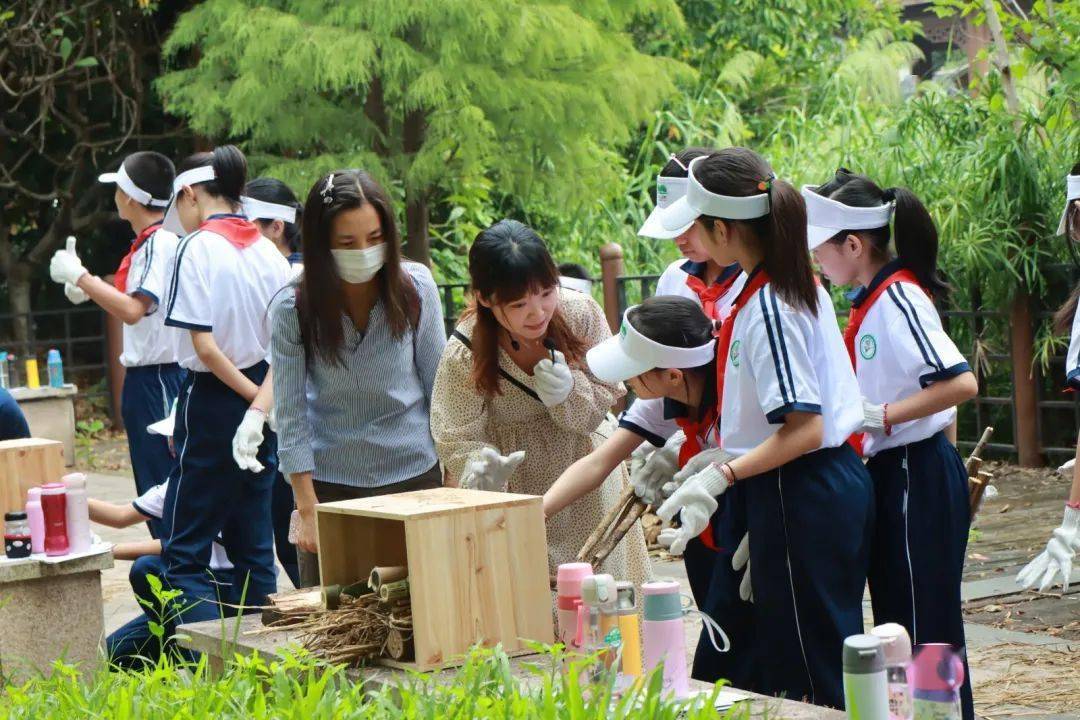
pixel 399 646
pixel 386 574
pixel 394 590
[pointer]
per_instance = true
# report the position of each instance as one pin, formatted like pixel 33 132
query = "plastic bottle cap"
pixel 34 493
pixel 53 489
pixel 625 597
pixel 15 515
pixel 75 480
pixel 662 601
pixel 863 655
pixel 896 642
pixel 599 591
pixel 569 577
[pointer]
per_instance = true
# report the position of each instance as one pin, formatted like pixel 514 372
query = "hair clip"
pixel 678 162
pixel 328 190
pixel 766 184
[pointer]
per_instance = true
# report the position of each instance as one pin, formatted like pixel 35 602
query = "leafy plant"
pixel 87 432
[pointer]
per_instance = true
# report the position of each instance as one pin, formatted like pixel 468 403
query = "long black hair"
pixel 230 172
pixel 915 236
pixel 506 261
pixel 272 190
pixel 320 301
pixel 780 235
pixel 1063 318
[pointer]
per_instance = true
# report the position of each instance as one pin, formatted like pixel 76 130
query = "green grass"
pixel 298 686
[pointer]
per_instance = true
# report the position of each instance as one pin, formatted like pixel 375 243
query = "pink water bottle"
pixel 663 636
pixel 54 507
pixel 78 512
pixel 568 599
pixel 36 518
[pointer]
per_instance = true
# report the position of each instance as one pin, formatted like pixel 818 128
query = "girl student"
pixel 514 404
pixel 272 206
pixel 152 377
pixel 1057 559
pixel 225 274
pixel 788 400
pixel 356 341
pixel 666 424
pixel 911 376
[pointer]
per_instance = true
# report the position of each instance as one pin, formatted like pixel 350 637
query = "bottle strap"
pixel 711 626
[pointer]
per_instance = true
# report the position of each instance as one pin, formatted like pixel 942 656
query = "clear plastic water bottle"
pixel 56 368
pixel 3 369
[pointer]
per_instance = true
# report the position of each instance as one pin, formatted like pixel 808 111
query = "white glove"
pixel 553 380
pixel 65 266
pixel 739 560
pixel 490 470
pixel 705 458
pixel 695 500
pixel 248 438
pixel 1067 468
pixel 638 458
pixel 1057 557
pixel 873 417
pixel 75 294
pixel 657 470
pixel 271 419
pixel 667 538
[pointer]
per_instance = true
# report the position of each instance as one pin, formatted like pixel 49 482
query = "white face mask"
pixel 359 266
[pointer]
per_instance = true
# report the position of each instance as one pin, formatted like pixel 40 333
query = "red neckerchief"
pixel 711 293
pixel 240 232
pixel 757 280
pixel 694 430
pixel 121 276
pixel 855 320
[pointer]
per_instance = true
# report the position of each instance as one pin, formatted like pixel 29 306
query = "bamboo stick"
pixel 618 510
pixel 388 574
pixel 636 511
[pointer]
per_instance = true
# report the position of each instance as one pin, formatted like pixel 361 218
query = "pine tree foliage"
pixel 428 92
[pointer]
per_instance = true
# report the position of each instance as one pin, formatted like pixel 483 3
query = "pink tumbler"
pixel 36 518
pixel 568 599
pixel 937 672
pixel 54 506
pixel 663 636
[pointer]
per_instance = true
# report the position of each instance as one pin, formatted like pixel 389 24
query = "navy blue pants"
pixel 211 496
pixel 282 505
pixel 720 599
pixel 810 524
pixel 917 554
pixel 147 397
pixel 133 645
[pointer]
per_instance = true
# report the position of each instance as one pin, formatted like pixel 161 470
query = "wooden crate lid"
pixel 426 503
pixel 29 443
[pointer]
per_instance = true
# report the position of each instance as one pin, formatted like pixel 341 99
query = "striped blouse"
pixel 365 422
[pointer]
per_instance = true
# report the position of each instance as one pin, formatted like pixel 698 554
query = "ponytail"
pixel 1063 318
pixel 230 171
pixel 916 240
pixel 780 235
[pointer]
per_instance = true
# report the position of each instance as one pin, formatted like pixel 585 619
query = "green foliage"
pixel 295 685
pixel 435 95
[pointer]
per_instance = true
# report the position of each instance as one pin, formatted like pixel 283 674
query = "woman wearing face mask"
pixel 224 276
pixel 356 343
pixel 514 403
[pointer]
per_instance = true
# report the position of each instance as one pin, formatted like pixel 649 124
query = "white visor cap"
pixel 188 177
pixel 136 193
pixel 698 201
pixel 630 354
pixel 825 217
pixel 668 190
pixel 262 210
pixel 1072 192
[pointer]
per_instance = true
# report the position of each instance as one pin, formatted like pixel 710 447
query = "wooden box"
pixel 477 565
pixel 25 464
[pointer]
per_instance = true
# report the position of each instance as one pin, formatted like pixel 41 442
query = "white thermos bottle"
pixel 866 691
pixel 78 513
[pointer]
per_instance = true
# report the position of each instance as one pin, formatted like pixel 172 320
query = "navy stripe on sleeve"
pixel 891 292
pixel 149 252
pixel 1072 380
pixel 773 348
pixel 949 372
pixel 777 416
pixel 649 437
pixel 918 325
pixel 783 344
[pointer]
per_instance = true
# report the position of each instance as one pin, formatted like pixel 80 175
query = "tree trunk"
pixel 18 282
pixel 417 242
pixel 1025 385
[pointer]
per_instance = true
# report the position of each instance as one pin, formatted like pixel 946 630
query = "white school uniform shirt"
pixel 149 341
pixel 654 419
pixel 1072 359
pixel 784 360
pixel 152 504
pixel 222 289
pixel 901 349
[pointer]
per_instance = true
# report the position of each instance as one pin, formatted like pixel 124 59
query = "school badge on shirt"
pixel 867 347
pixel 734 353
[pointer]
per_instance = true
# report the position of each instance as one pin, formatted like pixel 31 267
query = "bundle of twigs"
pixel 612 529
